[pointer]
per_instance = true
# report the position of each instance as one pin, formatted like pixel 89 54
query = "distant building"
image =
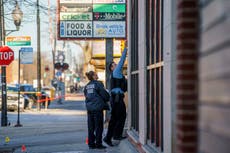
pixel 12 72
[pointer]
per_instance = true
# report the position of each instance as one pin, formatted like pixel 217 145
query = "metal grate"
pixel 154 35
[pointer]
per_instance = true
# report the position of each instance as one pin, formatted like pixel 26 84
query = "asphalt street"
pixel 61 128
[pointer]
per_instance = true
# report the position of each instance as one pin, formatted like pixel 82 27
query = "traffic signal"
pixel 61 66
pixel 65 66
pixel 57 66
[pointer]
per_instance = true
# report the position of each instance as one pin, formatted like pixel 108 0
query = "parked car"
pixel 31 92
pixel 12 99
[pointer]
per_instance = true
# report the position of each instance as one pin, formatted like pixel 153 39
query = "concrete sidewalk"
pixel 56 130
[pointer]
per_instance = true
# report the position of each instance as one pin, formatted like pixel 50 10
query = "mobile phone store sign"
pixel 109 8
pixel 108 1
pixel 92 19
pixel 91 1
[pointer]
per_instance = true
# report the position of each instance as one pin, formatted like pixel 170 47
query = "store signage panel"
pixel 118 8
pixel 98 48
pixel 109 16
pixel 109 29
pixel 75 29
pixel 76 16
pixel 76 8
pixel 108 1
pixel 75 1
pixel 92 19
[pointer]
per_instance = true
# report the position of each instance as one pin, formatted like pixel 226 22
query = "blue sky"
pixel 29 26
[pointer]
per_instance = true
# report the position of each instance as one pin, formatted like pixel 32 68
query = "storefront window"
pixel 134 67
pixel 154 35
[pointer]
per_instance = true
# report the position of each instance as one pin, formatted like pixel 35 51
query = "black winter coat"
pixel 95 96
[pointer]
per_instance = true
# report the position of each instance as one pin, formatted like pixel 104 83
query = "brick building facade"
pixel 178 76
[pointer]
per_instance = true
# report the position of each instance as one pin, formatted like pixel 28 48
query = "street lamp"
pixel 17 15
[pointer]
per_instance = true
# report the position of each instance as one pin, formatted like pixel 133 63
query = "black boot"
pixel 108 142
pixel 100 146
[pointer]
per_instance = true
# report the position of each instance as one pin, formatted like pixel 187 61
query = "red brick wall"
pixel 187 76
pixel 9 73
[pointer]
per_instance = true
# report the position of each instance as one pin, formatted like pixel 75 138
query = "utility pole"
pixel 52 37
pixel 3 70
pixel 108 60
pixel 38 57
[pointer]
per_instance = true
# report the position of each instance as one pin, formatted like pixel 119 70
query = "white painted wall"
pixel 142 72
pixel 169 48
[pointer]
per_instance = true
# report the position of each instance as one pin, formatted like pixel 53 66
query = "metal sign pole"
pixel 4 97
pixel 38 57
pixel 109 59
pixel 3 71
pixel 19 84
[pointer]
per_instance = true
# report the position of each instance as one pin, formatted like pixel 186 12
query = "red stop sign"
pixel 6 55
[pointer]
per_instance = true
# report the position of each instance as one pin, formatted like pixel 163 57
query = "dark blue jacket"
pixel 95 96
pixel 117 73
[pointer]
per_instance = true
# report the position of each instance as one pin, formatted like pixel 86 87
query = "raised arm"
pixel 118 69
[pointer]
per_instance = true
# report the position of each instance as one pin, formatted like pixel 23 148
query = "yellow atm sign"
pixel 18 41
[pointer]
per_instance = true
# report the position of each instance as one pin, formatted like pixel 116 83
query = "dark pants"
pixel 118 116
pixel 95 127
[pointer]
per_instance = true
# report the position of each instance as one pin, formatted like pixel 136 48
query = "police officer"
pixel 96 96
pixel 118 86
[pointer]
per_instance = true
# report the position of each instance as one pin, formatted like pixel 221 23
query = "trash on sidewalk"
pixel 23 149
pixel 7 140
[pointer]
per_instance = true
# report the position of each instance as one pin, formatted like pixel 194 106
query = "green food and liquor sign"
pixel 92 19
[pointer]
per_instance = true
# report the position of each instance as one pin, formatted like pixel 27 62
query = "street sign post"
pixel 6 57
pixel 25 57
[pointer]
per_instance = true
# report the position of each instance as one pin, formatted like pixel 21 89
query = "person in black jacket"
pixel 96 98
pixel 118 87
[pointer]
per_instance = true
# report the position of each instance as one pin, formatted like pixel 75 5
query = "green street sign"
pixel 109 8
pixel 18 40
pixel 19 43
